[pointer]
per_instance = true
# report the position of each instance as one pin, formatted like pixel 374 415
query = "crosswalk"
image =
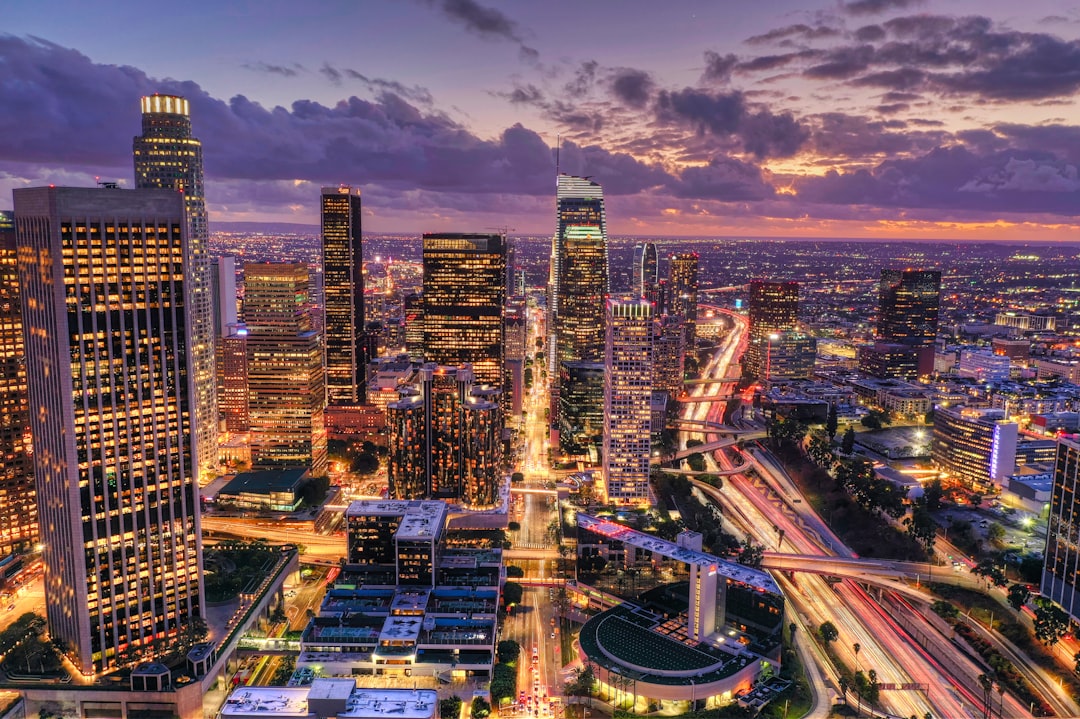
pixel 530 545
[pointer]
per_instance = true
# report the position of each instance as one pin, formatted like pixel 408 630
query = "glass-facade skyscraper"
pixel 464 293
pixel 773 309
pixel 105 306
pixel 645 271
pixel 343 295
pixel 167 156
pixel 1061 570
pixel 683 283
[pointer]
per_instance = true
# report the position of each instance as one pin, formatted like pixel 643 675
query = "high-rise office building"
pixel 444 439
pixel 343 295
pixel 286 380
pixel 773 309
pixel 669 354
pixel 413 308
pixel 645 271
pixel 515 332
pixel 581 408
pixel 223 291
pixel 18 510
pixel 233 380
pixel 908 313
pixel 167 156
pixel 578 281
pixel 464 293
pixel 1061 569
pixel 683 280
pixel 105 308
pixel 627 400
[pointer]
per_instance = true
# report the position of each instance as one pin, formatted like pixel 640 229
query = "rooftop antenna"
pixel 558 151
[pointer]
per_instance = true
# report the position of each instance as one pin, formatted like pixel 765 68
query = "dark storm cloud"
pixel 955 178
pixel 527 94
pixel 63 110
pixel 897 80
pixel 764 63
pixel 724 178
pixel 762 134
pixel 874 7
pixel 486 22
pixel 870 33
pixel 632 87
pixel 842 63
pixel 893 108
pixel 283 70
pixel 718 67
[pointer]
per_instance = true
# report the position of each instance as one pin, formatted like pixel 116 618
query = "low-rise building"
pixel 270 490
pixel 327 698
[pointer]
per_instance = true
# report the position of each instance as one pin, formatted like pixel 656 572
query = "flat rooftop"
pixel 265 482
pixel 292 702
pixel 420 519
pixel 730 570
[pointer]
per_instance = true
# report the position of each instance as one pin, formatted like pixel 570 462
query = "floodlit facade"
pixel 975 447
pixel 343 295
pixel 464 293
pixel 1061 571
pixel 627 400
pixel 106 312
pixel 286 380
pixel 18 508
pixel 167 156
pixel 683 283
pixel 232 372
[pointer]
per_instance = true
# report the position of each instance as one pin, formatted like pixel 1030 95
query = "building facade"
pixel 105 299
pixel 581 408
pixel 645 272
pixel 343 295
pixel 168 157
pixel 909 301
pixel 627 400
pixel 773 308
pixel 286 380
pixel 444 438
pixel 975 447
pixel 18 507
pixel 683 281
pixel 232 369
pixel 1061 570
pixel 464 294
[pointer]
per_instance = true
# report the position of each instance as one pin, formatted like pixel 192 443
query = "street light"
pixel 768 354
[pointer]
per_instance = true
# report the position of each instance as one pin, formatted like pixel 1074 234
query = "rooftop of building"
pixel 730 570
pixel 266 481
pixel 420 519
pixel 354 701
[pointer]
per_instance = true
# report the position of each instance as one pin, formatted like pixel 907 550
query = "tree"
pixel 828 632
pixel 995 533
pixel 831 422
pixel 989 568
pixel 512 593
pixel 871 421
pixel 1051 621
pixel 480 708
pixel 750 554
pixel 1018 596
pixel 582 683
pixel 921 525
pixel 509 651
pixel 847 444
pixel 514 572
pixel 450 708
pixel 933 493
pixel 517 477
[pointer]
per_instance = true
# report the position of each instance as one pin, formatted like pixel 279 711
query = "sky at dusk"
pixel 857 118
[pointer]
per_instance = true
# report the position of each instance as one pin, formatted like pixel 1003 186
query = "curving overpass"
pixel 873 571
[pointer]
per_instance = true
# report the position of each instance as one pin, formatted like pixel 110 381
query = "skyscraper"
pixel 683 280
pixel 286 380
pixel 909 307
pixel 1061 570
pixel 106 301
pixel 645 271
pixel 773 309
pixel 223 291
pixel 444 439
pixel 18 510
pixel 627 400
pixel 908 317
pixel 168 157
pixel 464 292
pixel 343 293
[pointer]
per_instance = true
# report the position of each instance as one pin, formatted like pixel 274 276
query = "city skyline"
pixel 890 118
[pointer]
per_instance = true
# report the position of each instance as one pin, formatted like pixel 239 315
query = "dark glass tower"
pixel 111 416
pixel 1061 571
pixel 645 271
pixel 343 293
pixel 168 157
pixel 464 293
pixel 773 310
